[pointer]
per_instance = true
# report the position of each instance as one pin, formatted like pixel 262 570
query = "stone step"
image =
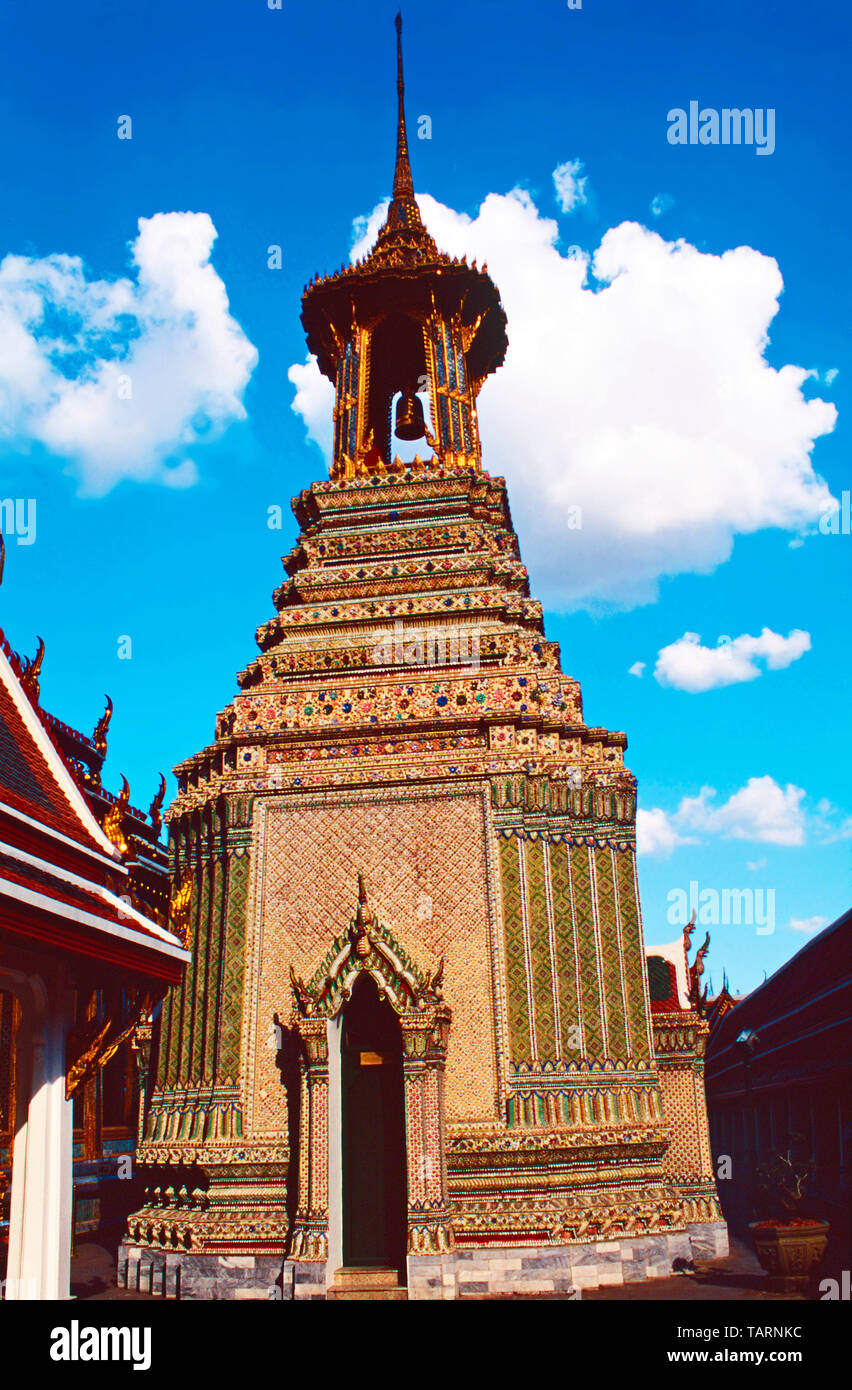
pixel 367 1282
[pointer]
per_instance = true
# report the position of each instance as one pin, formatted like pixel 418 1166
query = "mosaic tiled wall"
pixel 575 985
pixel 425 859
pixel 685 1111
pixel 200 1028
pixel 679 1044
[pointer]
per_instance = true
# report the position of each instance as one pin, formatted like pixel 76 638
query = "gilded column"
pixel 310 1229
pixel 424 1040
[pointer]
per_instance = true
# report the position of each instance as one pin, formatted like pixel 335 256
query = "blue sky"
pixel 278 125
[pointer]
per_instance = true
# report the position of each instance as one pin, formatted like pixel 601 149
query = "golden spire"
pixel 403 184
pixel 403 211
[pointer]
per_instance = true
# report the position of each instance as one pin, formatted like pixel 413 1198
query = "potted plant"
pixel 788 1244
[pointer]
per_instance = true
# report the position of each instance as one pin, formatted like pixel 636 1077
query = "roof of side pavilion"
pixel 63 883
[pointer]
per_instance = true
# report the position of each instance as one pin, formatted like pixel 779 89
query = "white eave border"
pixel 62 776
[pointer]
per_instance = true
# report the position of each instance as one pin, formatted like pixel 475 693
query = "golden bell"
pixel 409 417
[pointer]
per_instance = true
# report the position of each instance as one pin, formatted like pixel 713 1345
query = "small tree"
pixel 781 1184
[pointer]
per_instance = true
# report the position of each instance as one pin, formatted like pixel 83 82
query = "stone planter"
pixel 789 1253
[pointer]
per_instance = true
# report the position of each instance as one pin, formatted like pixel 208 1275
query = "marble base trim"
pixel 558 1270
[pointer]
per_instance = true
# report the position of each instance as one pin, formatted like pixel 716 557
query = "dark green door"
pixel 373 1118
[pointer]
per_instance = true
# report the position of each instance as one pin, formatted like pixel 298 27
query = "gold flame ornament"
pixel 359 936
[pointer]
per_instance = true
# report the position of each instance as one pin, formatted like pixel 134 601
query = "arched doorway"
pixel 373 1132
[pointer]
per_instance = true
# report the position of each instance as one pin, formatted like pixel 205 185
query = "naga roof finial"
pixel 155 810
pixel 31 673
pixel 99 737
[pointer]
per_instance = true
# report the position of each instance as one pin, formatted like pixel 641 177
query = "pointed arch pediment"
pixel 366 946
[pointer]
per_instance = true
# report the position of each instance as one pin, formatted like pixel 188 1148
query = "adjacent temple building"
pixel 85 958
pixel 414 1054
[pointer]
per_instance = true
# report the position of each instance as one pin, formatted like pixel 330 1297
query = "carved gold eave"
pixel 367 947
pixel 100 1032
pixel 180 911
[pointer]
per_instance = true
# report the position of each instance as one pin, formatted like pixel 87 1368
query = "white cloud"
pixel 661 203
pixel 760 811
pixel 842 832
pixel 830 823
pixel 183 475
pixel 831 376
pixel 636 669
pixel 314 401
pixel 645 399
pixel 686 665
pixel 570 184
pixel 755 865
pixel 656 834
pixel 122 377
pixel 808 925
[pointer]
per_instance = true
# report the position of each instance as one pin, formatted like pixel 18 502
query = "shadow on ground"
pixel 93 1272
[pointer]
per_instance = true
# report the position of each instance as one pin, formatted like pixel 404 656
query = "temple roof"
pixel 63 883
pixel 35 780
pixel 668 976
pixel 797 1022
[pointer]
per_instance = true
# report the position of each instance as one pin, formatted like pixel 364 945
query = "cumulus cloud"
pixel 636 388
pixel 637 669
pixel 656 833
pixel 686 665
pixel 808 925
pixel 570 184
pixel 760 811
pixel 122 377
pixel 314 401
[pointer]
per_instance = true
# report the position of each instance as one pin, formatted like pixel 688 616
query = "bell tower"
pixel 405 322
pixel 415 1047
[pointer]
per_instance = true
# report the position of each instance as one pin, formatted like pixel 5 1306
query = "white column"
pixel 41 1199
